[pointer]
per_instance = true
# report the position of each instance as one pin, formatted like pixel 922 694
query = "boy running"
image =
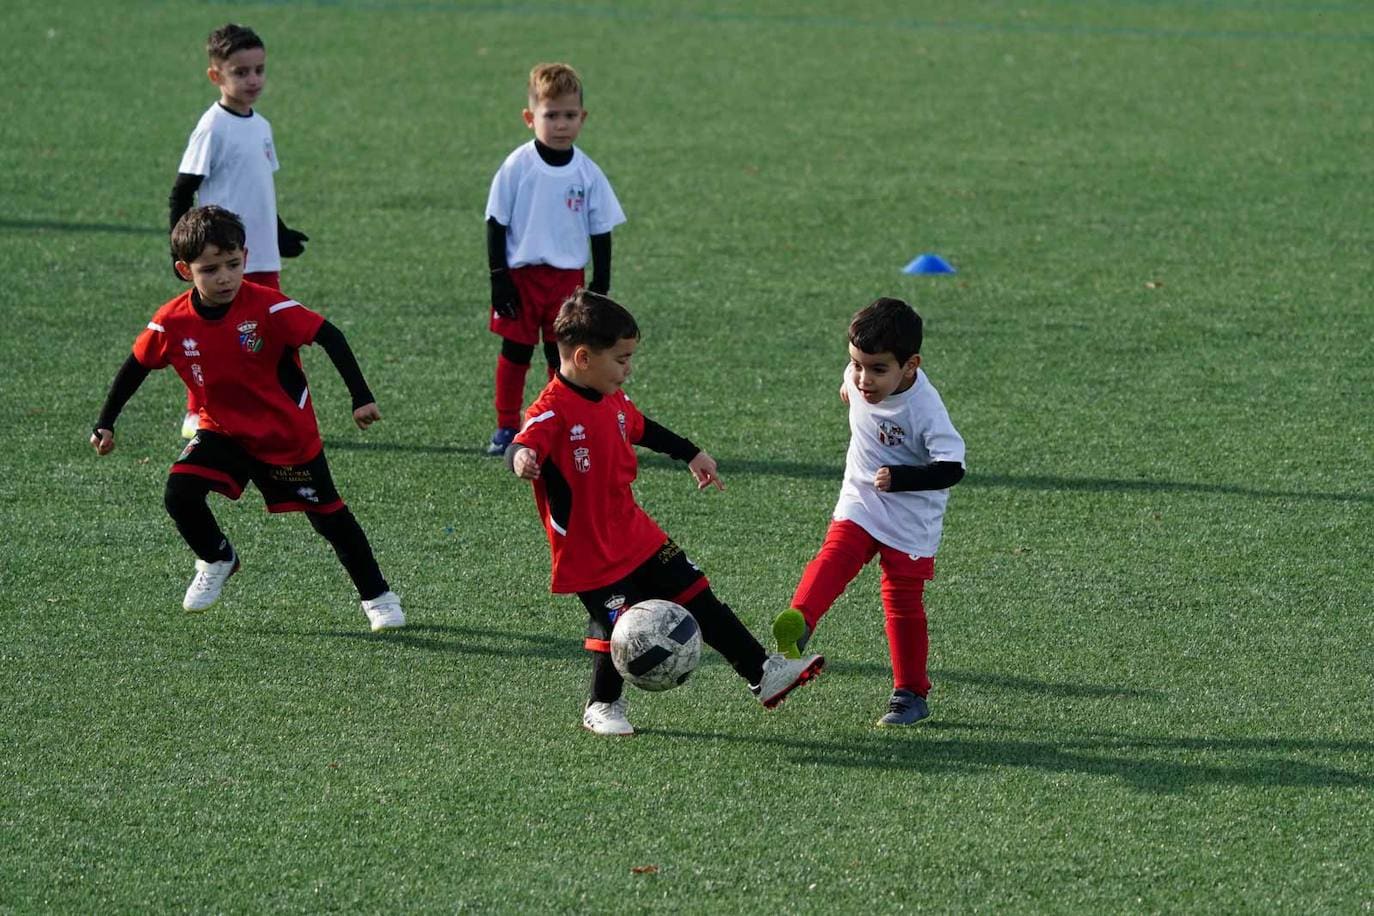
pixel 577 446
pixel 229 161
pixel 548 203
pixel 904 455
pixel 235 343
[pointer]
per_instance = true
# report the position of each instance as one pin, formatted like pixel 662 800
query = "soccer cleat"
pixel 905 708
pixel 384 612
pixel 190 424
pixel 210 578
pixel 791 632
pixel 783 675
pixel 500 441
pixel 607 718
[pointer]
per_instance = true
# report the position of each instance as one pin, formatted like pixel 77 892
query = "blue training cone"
pixel 929 264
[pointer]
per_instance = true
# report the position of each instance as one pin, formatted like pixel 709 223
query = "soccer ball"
pixel 655 644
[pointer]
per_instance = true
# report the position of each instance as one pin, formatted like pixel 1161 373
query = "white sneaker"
pixel 385 612
pixel 210 578
pixel 782 675
pixel 607 718
pixel 190 424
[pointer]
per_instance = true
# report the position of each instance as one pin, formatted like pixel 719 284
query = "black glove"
pixel 505 298
pixel 290 243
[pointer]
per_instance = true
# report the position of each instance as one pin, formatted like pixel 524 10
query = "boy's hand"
pixel 844 393
pixel 505 298
pixel 703 468
pixel 102 440
pixel 883 479
pixel 366 415
pixel 291 243
pixel 526 463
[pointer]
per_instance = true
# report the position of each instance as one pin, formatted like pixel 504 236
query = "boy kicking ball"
pixel 235 344
pixel 578 449
pixel 904 455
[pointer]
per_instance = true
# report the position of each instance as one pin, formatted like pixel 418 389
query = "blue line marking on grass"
pixel 851 22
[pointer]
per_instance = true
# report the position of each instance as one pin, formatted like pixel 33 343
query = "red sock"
pixel 846 549
pixel 510 392
pixel 908 643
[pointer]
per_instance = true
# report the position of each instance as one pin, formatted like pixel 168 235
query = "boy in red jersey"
pixel 236 344
pixel 577 446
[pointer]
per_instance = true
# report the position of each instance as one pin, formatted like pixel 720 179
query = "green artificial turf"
pixel 1151 623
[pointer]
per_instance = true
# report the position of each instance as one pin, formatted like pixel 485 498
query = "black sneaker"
pixel 905 708
pixel 500 441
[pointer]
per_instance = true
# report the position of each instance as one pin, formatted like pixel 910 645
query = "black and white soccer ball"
pixel 656 644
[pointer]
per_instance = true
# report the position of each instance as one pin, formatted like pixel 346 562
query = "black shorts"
pixel 227 467
pixel 668 574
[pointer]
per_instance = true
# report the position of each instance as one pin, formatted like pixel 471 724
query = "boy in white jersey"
pixel 229 161
pixel 904 455
pixel 548 205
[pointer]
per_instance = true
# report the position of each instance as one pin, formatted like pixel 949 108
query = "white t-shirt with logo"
pixel 237 158
pixel 550 211
pixel 911 428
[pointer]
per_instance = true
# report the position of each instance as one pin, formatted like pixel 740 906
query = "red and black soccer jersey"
pixel 585 443
pixel 244 368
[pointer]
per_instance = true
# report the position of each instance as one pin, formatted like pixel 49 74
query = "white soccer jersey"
pixel 550 211
pixel 237 158
pixel 911 428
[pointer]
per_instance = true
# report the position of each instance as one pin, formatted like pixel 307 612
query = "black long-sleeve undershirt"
pixel 183 197
pixel 939 475
pixel 126 382
pixel 660 439
pixel 341 355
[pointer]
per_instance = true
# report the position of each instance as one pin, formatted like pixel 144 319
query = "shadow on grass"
pixel 56 226
pixel 1046 482
pixel 464 641
pixel 1146 763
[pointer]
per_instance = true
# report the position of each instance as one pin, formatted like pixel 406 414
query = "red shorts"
pixel 270 278
pixel 543 290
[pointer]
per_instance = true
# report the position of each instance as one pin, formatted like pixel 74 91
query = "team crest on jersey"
pixel 582 459
pixel 308 494
pixel 890 433
pixel 267 149
pixel 190 345
pixel 196 375
pixel 620 420
pixel 577 433
pixel 575 198
pixel 248 337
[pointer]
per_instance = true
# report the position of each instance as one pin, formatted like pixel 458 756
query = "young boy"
pixel 546 202
pixel 229 161
pixel 235 343
pixel 577 446
pixel 904 455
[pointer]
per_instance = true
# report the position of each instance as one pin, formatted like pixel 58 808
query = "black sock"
pixel 722 631
pixel 607 684
pixel 185 500
pixel 346 536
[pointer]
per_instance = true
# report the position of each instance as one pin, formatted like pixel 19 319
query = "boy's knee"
pixel 183 491
pixel 517 353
